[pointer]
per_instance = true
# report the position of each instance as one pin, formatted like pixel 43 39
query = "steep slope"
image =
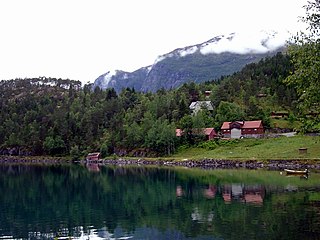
pixel 121 79
pixel 219 56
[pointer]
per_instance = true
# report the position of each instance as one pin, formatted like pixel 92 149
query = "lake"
pixel 106 202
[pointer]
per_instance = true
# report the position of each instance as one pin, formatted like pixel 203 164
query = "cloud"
pixel 188 51
pixel 108 76
pixel 82 39
pixel 242 43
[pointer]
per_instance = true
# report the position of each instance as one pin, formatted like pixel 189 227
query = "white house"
pixel 195 107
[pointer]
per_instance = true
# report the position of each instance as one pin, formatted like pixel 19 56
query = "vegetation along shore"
pixel 298 152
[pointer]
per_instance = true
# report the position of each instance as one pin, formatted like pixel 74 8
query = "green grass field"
pixel 260 149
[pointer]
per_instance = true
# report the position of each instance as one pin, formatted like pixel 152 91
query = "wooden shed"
pixel 91 157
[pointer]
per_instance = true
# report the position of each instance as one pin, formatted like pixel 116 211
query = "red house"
pixel 210 133
pixel 240 129
pixel 93 157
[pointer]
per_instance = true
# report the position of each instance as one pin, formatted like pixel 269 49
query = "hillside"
pixel 219 56
pixel 47 116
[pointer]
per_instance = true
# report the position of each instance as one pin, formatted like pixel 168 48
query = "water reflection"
pixel 98 202
pixel 93 167
pixel 179 191
pixel 232 192
pixel 76 233
pixel 253 194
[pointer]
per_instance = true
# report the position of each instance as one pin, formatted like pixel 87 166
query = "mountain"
pixel 219 56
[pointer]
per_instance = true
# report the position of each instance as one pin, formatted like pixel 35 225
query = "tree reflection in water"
pixel 152 202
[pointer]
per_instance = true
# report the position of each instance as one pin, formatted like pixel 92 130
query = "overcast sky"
pixel 82 39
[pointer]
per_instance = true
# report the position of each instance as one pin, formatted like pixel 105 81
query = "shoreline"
pixel 203 163
pixel 218 163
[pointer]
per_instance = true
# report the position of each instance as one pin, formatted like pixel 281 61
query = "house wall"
pixel 227 135
pixel 252 131
pixel 236 133
pixel 93 158
pixel 248 133
pixel 253 135
pixel 196 110
pixel 212 135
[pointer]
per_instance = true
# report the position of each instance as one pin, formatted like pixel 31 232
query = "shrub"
pixel 209 145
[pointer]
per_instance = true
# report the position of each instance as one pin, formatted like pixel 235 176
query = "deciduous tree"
pixel 305 54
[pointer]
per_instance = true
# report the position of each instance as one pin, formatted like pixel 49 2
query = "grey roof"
pixel 199 104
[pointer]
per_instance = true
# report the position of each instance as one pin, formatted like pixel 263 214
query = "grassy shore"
pixel 284 148
pixel 281 148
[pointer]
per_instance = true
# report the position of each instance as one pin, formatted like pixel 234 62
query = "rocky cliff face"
pixel 120 79
pixel 219 56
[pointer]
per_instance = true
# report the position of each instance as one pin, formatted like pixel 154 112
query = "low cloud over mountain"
pixel 221 55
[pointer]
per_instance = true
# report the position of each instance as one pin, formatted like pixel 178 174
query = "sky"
pixel 82 39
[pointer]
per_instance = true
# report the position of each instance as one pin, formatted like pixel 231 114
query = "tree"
pixel 160 137
pixel 229 112
pixel 312 18
pixel 305 54
pixel 75 153
pixel 306 75
pixel 133 138
pixel 54 145
pixel 186 124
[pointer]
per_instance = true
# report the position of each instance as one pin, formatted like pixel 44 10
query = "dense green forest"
pixel 59 117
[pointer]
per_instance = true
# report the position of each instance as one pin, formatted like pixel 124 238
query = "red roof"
pixel 252 124
pixel 206 131
pixel 245 124
pixel 225 125
pixel 179 132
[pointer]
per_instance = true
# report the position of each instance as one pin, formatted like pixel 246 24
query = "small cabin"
pixel 93 157
pixel 210 133
pixel 207 94
pixel 279 114
pixel 261 95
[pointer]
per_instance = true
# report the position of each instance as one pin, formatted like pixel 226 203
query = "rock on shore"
pixel 204 163
pixel 219 163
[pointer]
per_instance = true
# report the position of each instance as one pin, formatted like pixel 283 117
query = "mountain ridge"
pixel 219 56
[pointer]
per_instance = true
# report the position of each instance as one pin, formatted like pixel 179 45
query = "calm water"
pixel 79 202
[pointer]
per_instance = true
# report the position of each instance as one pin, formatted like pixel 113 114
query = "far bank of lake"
pixel 275 153
pixel 188 163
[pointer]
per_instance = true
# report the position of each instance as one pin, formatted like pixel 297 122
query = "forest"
pixel 48 116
